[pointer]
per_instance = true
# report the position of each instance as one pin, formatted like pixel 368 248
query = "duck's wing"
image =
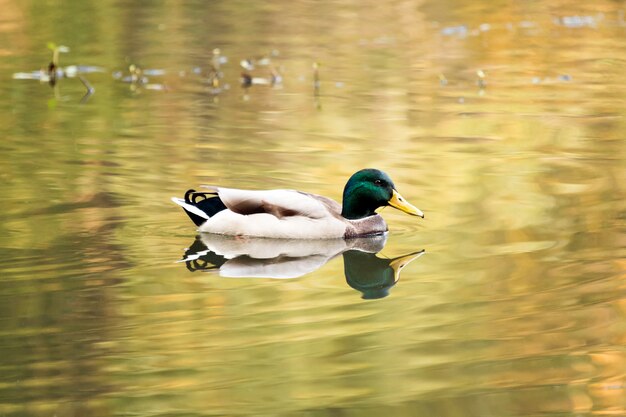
pixel 279 203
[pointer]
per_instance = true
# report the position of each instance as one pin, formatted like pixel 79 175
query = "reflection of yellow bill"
pixel 401 261
pixel 400 203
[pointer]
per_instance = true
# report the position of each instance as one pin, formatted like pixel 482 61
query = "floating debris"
pixel 481 79
pixel 527 24
pixel 316 77
pixel 248 80
pixel 154 72
pixel 276 77
pixel 88 86
pixel 564 78
pixel 155 87
pixel 317 85
pixel 217 60
pixel 215 74
pixel 460 31
pixel 249 64
pixel 56 50
pixel 443 81
pixel 524 24
pixel 34 75
pixel 137 77
pixel 214 79
pixel 575 22
pixel 54 72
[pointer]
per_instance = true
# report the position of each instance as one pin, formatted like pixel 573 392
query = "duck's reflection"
pixel 374 276
pixel 237 257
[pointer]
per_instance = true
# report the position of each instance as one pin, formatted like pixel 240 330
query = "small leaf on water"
pixel 51 45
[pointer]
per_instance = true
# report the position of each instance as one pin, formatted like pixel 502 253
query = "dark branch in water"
pixel 88 86
pixel 90 89
pixel 316 85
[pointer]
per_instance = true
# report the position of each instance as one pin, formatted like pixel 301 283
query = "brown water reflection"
pixel 516 310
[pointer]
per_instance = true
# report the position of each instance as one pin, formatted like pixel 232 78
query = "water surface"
pixel 503 122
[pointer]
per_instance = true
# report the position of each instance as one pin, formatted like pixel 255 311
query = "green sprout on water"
pixel 56 50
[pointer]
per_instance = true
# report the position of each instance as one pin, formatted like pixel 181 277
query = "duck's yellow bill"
pixel 400 203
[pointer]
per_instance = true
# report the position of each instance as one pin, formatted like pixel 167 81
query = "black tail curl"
pixel 206 202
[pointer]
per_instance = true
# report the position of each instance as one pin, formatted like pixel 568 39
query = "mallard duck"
pixel 295 214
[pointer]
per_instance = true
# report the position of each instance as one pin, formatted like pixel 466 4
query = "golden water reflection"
pixel 503 122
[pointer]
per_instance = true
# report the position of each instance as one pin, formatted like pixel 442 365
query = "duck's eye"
pixel 378 182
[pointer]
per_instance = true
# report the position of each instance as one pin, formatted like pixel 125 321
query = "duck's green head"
pixel 369 189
